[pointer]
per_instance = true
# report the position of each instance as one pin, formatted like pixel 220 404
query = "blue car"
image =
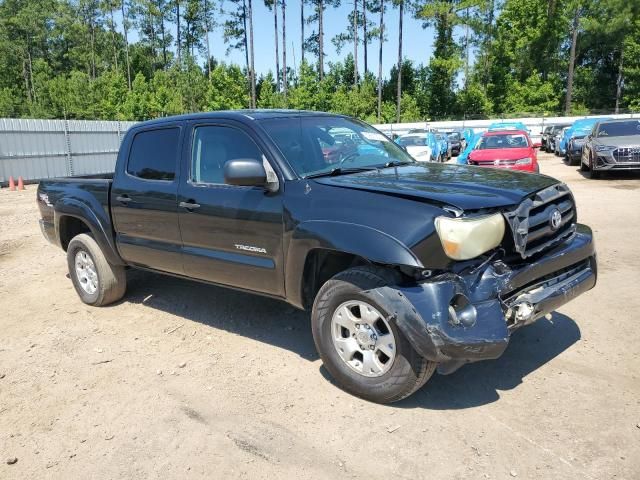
pixel 445 152
pixel 471 143
pixel 578 125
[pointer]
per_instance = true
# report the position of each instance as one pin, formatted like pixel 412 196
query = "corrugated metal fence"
pixel 36 149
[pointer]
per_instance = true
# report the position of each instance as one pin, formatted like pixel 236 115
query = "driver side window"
pixel 213 146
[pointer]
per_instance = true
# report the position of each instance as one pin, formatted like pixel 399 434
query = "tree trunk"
pixel 125 29
pixel 113 36
pixel 320 39
pixel 246 44
pixel 25 75
pixel 284 48
pixel 355 43
pixel 178 39
pixel 251 55
pixel 162 32
pixel 207 27
pixel 487 41
pixel 399 94
pixel 275 31
pixel 365 40
pixel 154 54
pixel 572 61
pixel 619 82
pixel 302 30
pixel 466 48
pixel 33 85
pixel 380 60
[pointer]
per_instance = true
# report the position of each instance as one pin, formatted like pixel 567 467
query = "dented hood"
pixel 465 187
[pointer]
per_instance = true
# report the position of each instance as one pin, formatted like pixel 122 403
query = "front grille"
pixel 494 163
pixel 532 222
pixel 627 154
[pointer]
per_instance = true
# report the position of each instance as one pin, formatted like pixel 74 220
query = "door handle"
pixel 189 205
pixel 123 198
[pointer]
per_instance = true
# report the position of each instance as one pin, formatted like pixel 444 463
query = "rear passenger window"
pixel 154 154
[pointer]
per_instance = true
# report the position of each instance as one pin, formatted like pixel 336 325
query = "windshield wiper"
pixel 397 163
pixel 339 171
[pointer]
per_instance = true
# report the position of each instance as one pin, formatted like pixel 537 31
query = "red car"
pixel 510 149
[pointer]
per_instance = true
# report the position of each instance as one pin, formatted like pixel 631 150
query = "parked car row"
pixel 596 144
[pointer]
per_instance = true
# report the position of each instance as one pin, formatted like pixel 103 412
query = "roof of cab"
pixel 242 115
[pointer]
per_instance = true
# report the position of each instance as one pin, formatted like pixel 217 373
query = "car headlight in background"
pixel 605 148
pixel 524 161
pixel 465 238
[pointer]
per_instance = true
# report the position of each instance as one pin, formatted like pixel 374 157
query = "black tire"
pixel 409 370
pixel 590 172
pixel 111 279
pixel 583 167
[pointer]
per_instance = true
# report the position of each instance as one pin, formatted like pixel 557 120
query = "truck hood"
pixel 461 186
pixel 499 154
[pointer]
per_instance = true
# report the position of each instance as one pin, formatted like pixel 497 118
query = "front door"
pixel 231 235
pixel 144 202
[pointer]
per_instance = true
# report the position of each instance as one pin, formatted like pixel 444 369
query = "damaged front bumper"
pixel 455 319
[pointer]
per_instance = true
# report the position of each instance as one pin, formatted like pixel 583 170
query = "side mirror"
pixel 537 145
pixel 246 172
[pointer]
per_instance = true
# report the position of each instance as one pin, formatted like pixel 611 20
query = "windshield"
pixel 517 140
pixel 454 137
pixel 619 129
pixel 412 141
pixel 315 145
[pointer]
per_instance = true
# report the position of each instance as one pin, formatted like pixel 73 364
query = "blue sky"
pixel 417 42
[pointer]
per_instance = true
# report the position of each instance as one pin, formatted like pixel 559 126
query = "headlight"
pixel 524 161
pixel 605 148
pixel 465 238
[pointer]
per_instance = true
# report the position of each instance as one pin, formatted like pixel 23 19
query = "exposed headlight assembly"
pixel 465 238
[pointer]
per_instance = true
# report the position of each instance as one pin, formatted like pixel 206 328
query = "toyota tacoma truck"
pixel 406 267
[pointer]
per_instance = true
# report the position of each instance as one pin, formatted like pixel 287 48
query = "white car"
pixel 416 145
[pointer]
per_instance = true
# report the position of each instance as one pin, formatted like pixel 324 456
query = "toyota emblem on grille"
pixel 555 219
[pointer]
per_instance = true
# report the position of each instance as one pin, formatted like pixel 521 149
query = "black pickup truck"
pixel 406 267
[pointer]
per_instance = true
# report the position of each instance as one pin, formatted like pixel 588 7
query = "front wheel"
pixel 589 170
pixel 359 342
pixel 96 281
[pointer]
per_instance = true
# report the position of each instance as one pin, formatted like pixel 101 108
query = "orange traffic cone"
pixel 12 184
pixel 20 183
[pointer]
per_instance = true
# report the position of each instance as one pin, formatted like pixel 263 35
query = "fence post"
pixel 67 138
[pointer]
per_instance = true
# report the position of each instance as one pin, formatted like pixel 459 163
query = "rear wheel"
pixel 96 281
pixel 359 342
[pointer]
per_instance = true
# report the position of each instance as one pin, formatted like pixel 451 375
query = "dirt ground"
pixel 184 380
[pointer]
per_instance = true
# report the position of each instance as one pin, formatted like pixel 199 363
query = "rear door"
pixel 232 235
pixel 144 202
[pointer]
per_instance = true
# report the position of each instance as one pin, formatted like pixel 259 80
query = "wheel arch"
pixel 320 249
pixel 72 217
